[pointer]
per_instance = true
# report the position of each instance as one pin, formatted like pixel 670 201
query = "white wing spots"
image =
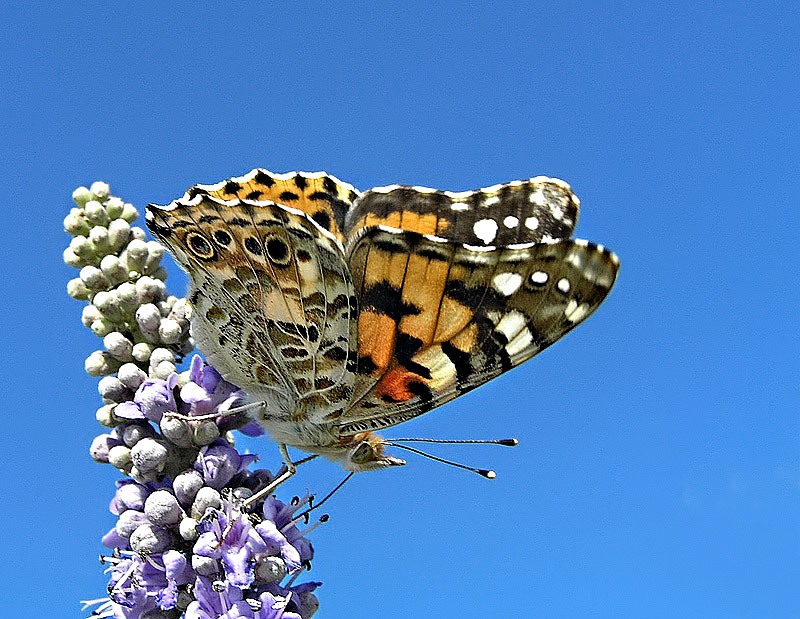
pixel 549 239
pixel 575 312
pixel 520 343
pixel 538 198
pixel 531 223
pixel 485 230
pixel 511 324
pixel 424 189
pixel 575 259
pixel 539 278
pixel 491 201
pixel 385 189
pixel 459 206
pixel 557 211
pixel 507 283
pixel 563 285
pixel 510 222
pixel 581 242
pixel 492 189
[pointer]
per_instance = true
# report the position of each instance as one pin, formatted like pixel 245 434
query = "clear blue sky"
pixel 658 473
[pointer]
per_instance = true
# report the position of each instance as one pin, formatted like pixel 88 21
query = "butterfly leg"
pixel 291 469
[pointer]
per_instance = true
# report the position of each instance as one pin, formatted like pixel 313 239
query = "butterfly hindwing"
pixel 531 211
pixel 323 197
pixel 272 297
pixel 439 318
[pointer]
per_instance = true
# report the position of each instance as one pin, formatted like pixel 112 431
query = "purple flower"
pixel 153 398
pixel 207 392
pixel 222 600
pixel 219 463
pixel 140 585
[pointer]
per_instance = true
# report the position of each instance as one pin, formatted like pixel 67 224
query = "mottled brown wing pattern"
pixel 540 209
pixel 274 309
pixel 439 318
pixel 323 197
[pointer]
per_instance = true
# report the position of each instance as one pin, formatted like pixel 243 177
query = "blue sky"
pixel 659 468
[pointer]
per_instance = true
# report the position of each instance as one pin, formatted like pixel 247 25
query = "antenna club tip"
pixel 488 474
pixel 509 442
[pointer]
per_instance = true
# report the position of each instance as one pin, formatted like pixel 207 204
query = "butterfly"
pixel 341 313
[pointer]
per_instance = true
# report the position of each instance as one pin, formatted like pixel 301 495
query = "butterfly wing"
pixel 272 297
pixel 531 211
pixel 323 197
pixel 438 318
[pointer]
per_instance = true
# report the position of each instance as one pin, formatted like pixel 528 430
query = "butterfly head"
pixel 365 452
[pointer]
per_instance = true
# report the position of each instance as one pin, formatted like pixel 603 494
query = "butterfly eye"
pixel 199 245
pixel 362 454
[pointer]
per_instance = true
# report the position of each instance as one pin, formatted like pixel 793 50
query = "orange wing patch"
pixel 321 196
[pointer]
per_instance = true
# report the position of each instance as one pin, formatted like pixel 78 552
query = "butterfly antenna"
pixel 507 442
pixel 487 473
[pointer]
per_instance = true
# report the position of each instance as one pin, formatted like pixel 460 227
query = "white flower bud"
pixel 149 539
pixel 188 529
pixel 81 196
pixel 75 224
pixel 118 346
pixel 113 269
pixel 163 370
pixel 150 289
pixel 93 278
pixel 100 363
pixel 99 238
pixel 113 390
pixel 102 327
pixel 95 213
pixel 119 232
pixel 170 331
pixel 206 497
pixel 186 485
pixel 137 233
pixel 155 252
pixel 160 273
pixel 81 246
pixel 77 289
pixel 162 508
pixel 142 351
pixel 204 432
pixel 105 415
pixel 129 213
pixel 162 354
pixel 129 521
pixel 148 318
pixel 107 301
pixel 72 259
pixel 131 375
pixel 89 314
pixel 176 430
pixel 114 207
pixel 132 496
pixel 132 433
pixel 100 189
pixel 119 456
pixel 149 455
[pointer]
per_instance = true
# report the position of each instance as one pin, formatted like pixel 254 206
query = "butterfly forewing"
pixel 539 209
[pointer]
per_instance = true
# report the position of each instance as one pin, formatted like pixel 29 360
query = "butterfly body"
pixel 344 313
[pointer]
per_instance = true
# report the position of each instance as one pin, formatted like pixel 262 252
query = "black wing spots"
pixel 329 185
pixel 421 390
pixel 459 359
pixel 366 365
pixel 321 195
pixel 240 222
pixel 233 286
pixel 207 219
pixel 301 182
pixel 158 229
pixel 196 191
pixel 303 255
pixel 352 195
pixel 294 352
pixel 254 195
pixel 313 333
pixel 315 299
pixel 253 246
pixel 277 250
pixel 482 296
pixel 336 353
pixel 397 243
pixel 195 297
pixel 384 298
pixel 232 187
pixel 299 233
pixel 406 347
pixel 262 178
pixel 323 219
pixel 323 382
pixel 434 252
pixel 288 196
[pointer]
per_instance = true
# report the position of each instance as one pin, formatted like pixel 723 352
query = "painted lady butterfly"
pixel 343 312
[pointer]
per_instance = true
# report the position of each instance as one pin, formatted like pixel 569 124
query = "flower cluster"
pixel 183 543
